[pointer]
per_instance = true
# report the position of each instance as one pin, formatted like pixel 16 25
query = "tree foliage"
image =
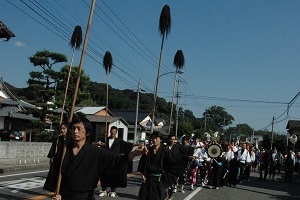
pixel 217 118
pixel 47 77
pixel 241 131
pixel 48 84
pixel 185 128
pixel 82 95
pixel 43 83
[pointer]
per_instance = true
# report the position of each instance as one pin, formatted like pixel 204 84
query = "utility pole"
pixel 177 108
pixel 136 112
pixel 205 123
pixel 272 133
pixel 252 139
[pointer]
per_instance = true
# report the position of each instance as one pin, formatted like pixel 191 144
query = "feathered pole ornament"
pixel 107 64
pixel 75 43
pixel 179 64
pixel 164 28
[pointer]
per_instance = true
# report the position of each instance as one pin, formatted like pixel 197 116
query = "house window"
pixel 120 133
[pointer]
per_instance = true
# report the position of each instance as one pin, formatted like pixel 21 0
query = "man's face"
pixel 78 132
pixel 156 141
pixel 172 140
pixel 63 130
pixel 185 142
pixel 113 132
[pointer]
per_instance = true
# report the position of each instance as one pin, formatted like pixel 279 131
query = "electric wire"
pixel 63 31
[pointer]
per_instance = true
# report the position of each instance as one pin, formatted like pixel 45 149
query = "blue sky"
pixel 241 55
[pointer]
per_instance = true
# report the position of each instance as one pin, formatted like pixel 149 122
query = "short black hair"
pixel 156 134
pixel 171 135
pixel 185 138
pixel 80 118
pixel 113 127
pixel 63 124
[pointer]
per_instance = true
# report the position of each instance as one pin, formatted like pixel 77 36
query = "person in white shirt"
pixel 229 153
pixel 253 158
pixel 195 163
pixel 201 156
pixel 250 158
pixel 242 155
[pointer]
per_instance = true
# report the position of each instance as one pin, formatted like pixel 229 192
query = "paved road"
pixel 29 186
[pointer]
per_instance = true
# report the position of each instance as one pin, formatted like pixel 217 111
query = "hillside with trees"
pixel 47 85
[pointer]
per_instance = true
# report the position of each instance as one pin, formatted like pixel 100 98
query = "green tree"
pixel 97 92
pixel 242 131
pixel 45 81
pixel 199 124
pixel 83 95
pixel 42 84
pixel 145 101
pixel 185 128
pixel 217 118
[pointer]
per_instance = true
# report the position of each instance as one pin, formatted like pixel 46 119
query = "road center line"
pixel 23 173
pixel 193 193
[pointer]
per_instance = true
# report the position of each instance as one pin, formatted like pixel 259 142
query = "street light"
pixel 175 72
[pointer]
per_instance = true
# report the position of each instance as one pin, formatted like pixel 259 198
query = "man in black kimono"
pixel 173 179
pixel 84 163
pixel 233 170
pixel 54 154
pixel 117 146
pixel 157 169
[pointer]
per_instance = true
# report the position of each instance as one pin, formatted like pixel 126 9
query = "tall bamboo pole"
pixel 156 86
pixel 66 89
pixel 107 65
pixel 57 191
pixel 164 28
pixel 75 43
pixel 172 105
pixel 136 112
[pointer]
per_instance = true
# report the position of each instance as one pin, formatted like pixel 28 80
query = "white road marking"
pixel 23 184
pixel 23 173
pixel 193 193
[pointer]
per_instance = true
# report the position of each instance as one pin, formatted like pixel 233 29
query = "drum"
pixel 214 150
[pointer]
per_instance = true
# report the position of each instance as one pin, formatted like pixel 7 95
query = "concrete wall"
pixel 21 156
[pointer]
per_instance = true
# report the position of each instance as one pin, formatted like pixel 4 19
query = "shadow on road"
pixel 276 188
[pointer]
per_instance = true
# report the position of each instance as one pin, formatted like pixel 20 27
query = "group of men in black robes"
pixel 160 168
pixel 84 164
